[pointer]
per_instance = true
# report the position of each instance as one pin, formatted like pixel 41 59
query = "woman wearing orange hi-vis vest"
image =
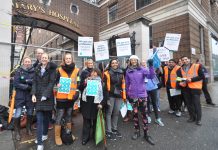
pixel 115 83
pixel 65 100
pixel 190 81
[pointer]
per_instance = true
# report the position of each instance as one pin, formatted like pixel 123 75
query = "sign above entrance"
pixel 85 46
pixel 123 47
pixel 25 8
pixel 171 41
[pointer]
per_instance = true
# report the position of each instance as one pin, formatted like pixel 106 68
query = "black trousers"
pixel 88 125
pixel 175 102
pixel 193 103
pixel 206 93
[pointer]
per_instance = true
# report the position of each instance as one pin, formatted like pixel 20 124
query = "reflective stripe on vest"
pixel 73 86
pixel 192 72
pixel 123 86
pixel 173 75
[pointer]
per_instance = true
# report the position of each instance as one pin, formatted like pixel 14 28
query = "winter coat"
pixel 116 77
pixel 23 82
pixel 43 86
pixel 135 86
pixel 88 107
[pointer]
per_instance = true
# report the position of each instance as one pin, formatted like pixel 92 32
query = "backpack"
pixel 66 135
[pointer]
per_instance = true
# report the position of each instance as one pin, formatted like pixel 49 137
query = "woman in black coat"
pixel 89 106
pixel 42 95
pixel 22 83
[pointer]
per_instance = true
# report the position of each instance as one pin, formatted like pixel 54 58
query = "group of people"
pixel 137 83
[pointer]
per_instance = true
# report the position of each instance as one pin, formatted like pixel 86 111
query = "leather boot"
pixel 28 125
pixel 136 135
pixel 148 138
pixel 17 129
pixel 58 140
pixel 69 126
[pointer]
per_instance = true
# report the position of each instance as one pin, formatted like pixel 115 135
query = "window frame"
pixel 108 12
pixel 142 6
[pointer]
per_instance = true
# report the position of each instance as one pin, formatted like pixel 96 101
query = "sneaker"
pixel 185 109
pixel 178 114
pixel 158 109
pixel 110 136
pixel 40 147
pixel 116 133
pixel 149 119
pixel 171 111
pixel 44 137
pixel 159 122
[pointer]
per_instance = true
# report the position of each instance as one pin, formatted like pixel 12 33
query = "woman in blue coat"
pixel 22 82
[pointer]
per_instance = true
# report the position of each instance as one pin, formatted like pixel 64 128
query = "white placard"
pixel 193 51
pixel 163 54
pixel 85 46
pixel 175 92
pixel 101 50
pixel 171 41
pixel 123 46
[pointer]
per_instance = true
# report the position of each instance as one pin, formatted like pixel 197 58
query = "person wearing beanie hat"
pixel 135 89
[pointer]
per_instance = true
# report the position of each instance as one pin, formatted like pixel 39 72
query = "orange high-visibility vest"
pixel 123 86
pixel 73 86
pixel 192 72
pixel 173 75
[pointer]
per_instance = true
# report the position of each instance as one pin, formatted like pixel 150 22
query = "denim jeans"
pixel 66 113
pixel 18 112
pixel 43 118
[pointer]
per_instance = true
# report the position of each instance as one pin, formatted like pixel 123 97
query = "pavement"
pixel 177 134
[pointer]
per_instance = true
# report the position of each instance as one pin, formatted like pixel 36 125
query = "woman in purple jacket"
pixel 135 88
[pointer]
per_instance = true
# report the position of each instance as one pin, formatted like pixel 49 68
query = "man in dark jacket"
pixel 191 76
pixel 204 88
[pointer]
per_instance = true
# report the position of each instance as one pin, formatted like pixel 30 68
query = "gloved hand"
pixel 150 62
pixel 43 98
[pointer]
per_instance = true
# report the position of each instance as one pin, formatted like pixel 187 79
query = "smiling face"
pixel 39 53
pixel 44 59
pixel 114 64
pixel 68 59
pixel 133 62
pixel 185 60
pixel 27 62
pixel 90 64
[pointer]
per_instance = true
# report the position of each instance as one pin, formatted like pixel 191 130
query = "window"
pixel 112 12
pixel 201 36
pixel 142 3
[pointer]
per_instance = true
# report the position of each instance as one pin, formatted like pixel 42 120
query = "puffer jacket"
pixel 23 82
pixel 135 86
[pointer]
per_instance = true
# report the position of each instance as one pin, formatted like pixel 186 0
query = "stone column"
pixel 141 28
pixel 5 50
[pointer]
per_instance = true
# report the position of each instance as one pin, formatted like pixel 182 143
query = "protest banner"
pixel 65 85
pixel 171 41
pixel 85 46
pixel 163 54
pixel 123 46
pixel 101 50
